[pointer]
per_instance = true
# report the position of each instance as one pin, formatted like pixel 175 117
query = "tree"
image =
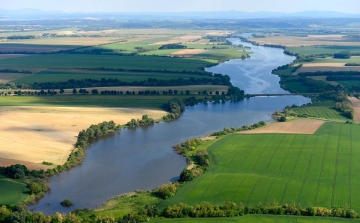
pixel 187 92
pixel 186 175
pixel 282 119
pixel 343 55
pixel 94 91
pixel 74 91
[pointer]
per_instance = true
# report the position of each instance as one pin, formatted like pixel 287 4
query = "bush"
pixel 166 191
pixel 186 175
pixel 282 119
pixel 66 203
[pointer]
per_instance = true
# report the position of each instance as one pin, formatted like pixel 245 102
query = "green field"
pixel 129 47
pixel 258 218
pixel 122 101
pixel 311 170
pixel 73 61
pixel 308 50
pixel 349 84
pixel 353 59
pixel 321 110
pixel 296 87
pixel 11 191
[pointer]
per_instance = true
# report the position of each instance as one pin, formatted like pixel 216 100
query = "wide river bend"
pixel 143 158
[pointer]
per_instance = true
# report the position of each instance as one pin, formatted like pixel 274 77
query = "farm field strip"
pixel 73 61
pixel 312 170
pixel 356 105
pixel 314 68
pixel 310 40
pixel 300 126
pixel 320 112
pixel 258 218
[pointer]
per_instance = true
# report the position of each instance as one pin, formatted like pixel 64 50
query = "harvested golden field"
pixel 180 39
pixel 313 67
pixel 31 135
pixel 310 40
pixel 219 33
pixel 188 52
pixel 29 165
pixel 356 105
pixel 300 126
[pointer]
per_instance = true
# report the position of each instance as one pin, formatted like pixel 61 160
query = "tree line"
pixel 204 210
pixel 172 46
pixel 217 79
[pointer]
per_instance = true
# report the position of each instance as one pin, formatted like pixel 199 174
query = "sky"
pixel 345 6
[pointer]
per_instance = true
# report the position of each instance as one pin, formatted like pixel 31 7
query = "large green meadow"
pixel 310 170
pixel 308 50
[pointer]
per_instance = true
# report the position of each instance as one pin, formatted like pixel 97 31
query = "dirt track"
pixel 356 105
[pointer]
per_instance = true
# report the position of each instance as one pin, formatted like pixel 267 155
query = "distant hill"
pixel 39 14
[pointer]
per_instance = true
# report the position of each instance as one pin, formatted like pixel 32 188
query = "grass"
pixel 73 61
pixel 296 87
pixel 349 84
pixel 308 50
pixel 121 101
pixel 124 204
pixel 31 47
pixel 223 54
pixel 353 59
pixel 130 47
pixel 258 218
pixel 324 109
pixel 11 192
pixel 310 170
pixel 285 72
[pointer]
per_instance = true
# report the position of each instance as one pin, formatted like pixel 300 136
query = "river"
pixel 143 158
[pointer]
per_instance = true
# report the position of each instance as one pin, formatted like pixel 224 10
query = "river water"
pixel 143 158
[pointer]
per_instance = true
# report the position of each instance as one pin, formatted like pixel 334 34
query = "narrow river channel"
pixel 143 158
